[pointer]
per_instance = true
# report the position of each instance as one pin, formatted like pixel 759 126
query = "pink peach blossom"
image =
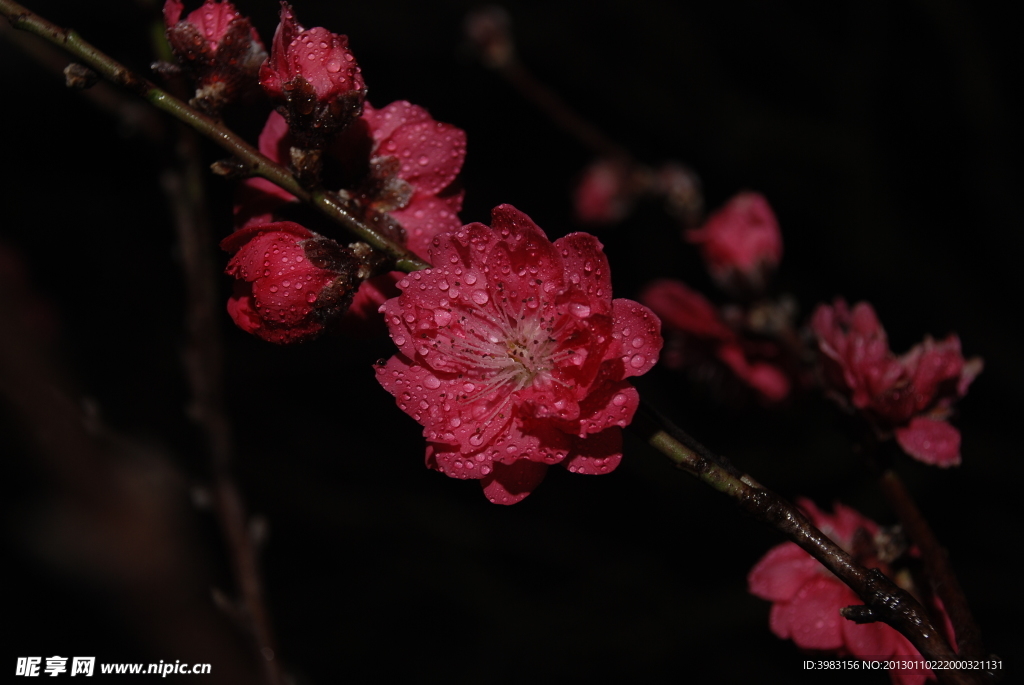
pixel 514 356
pixel 911 395
pixel 216 46
pixel 806 598
pixel 313 78
pixel 741 241
pixel 290 281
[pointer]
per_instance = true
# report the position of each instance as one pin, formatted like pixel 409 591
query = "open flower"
pixel 807 598
pixel 741 243
pixel 216 46
pixel 912 395
pixel 313 78
pixel 514 356
pixel 290 281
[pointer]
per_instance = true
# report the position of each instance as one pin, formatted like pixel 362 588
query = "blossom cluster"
pixel 741 245
pixel 807 598
pixel 911 395
pixel 393 167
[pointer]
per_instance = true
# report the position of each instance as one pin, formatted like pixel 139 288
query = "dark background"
pixel 885 135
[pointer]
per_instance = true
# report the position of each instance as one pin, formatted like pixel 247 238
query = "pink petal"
pixel 596 454
pixel 426 216
pixel 638 343
pixel 763 377
pixel 930 441
pixel 613 404
pixel 685 310
pixel 172 12
pixel 511 484
pixel 586 271
pixel 780 573
pixel 812 619
pixel 431 154
pixel 386 120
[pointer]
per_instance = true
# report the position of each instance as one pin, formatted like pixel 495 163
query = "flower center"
pixel 507 352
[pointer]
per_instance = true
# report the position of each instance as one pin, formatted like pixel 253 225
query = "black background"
pixel 885 135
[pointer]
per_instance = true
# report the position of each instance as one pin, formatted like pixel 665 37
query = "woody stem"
pixel 887 601
pixel 256 164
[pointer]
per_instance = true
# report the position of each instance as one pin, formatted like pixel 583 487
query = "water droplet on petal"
pixel 579 310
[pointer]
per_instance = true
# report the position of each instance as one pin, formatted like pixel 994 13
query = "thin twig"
pixel 886 600
pixel 937 566
pixel 203 356
pixel 256 164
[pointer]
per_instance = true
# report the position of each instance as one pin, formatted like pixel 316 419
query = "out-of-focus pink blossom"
pixel 694 327
pixel 741 243
pixel 807 598
pixel 514 356
pixel 911 395
pixel 290 281
pixel 313 78
pixel 603 195
pixel 218 47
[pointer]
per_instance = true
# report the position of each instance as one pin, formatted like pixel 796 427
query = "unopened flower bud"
pixel 313 78
pixel 291 282
pixel 218 48
pixel 741 243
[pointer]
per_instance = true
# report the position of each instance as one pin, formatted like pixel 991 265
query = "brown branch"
pixel 887 601
pixel 255 163
pixel 203 358
pixel 936 562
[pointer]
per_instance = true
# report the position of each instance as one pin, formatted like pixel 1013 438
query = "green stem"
pixel 886 601
pixel 256 164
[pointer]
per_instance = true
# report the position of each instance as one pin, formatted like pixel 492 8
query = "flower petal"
pixel 511 484
pixel 930 441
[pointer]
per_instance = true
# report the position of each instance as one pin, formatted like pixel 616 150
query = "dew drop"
pixel 579 310
pixel 480 297
pixel 431 382
pixel 637 361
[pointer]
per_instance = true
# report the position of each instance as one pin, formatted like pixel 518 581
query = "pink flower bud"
pixel 741 243
pixel 513 355
pixel 218 47
pixel 603 195
pixel 290 281
pixel 313 78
